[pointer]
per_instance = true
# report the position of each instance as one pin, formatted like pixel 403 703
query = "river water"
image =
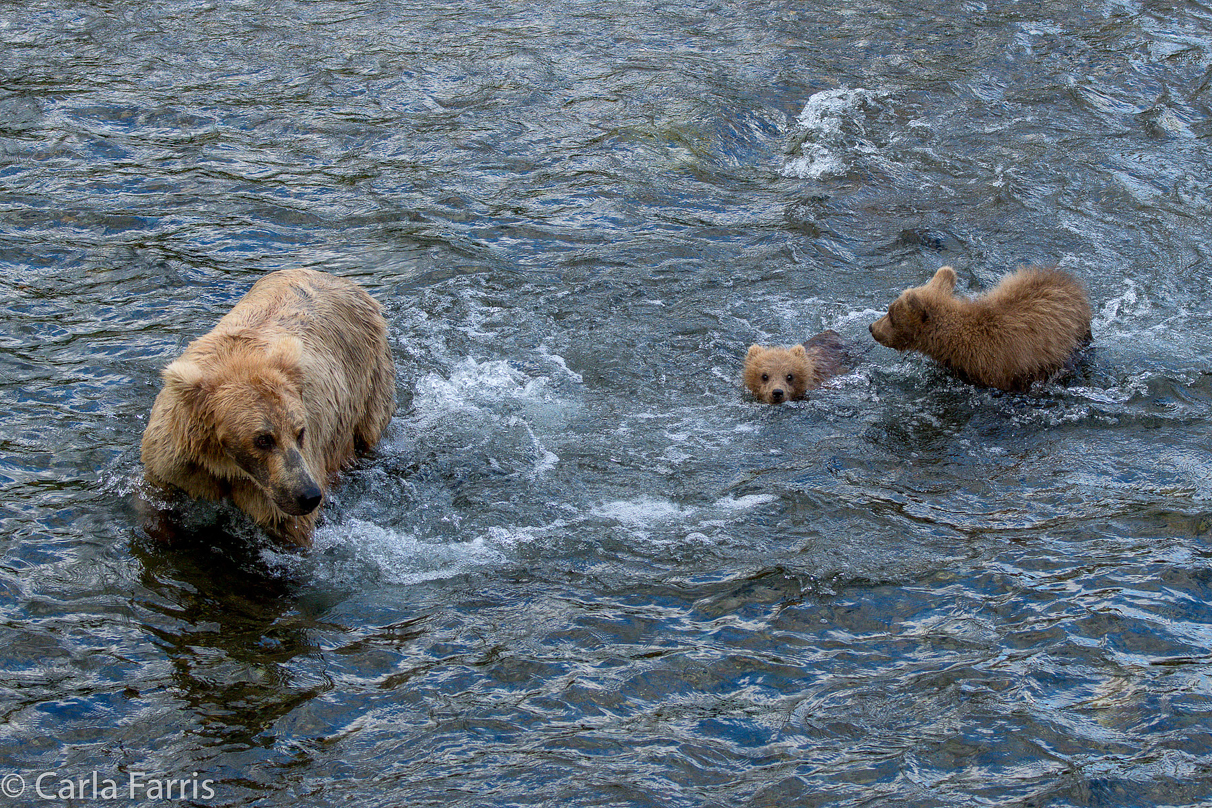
pixel 583 569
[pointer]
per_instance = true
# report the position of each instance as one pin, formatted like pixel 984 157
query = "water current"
pixel 583 568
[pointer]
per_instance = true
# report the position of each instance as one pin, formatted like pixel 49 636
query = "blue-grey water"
pixel 583 569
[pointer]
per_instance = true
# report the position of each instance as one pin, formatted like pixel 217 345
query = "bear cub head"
pixel 247 419
pixel 903 327
pixel 775 375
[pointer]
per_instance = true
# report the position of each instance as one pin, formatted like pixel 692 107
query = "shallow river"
pixel 583 568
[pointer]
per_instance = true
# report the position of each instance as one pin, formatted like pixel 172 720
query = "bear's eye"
pixel 264 441
pixel 302 432
pixel 790 378
pixel 765 377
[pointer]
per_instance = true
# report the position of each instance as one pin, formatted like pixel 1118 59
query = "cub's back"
pixel 1044 298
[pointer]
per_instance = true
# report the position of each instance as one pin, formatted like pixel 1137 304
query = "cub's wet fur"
pixel 1026 329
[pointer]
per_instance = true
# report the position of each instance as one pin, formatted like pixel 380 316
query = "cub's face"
pixel 775 375
pixel 901 328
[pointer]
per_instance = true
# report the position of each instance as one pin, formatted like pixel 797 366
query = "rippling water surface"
pixel 582 568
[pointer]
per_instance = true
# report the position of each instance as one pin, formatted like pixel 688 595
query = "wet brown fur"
pixel 1024 330
pixel 778 374
pixel 279 396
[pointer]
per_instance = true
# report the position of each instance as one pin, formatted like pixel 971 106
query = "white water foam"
pixel 644 512
pixel 820 142
pixel 1127 304
pixel 644 515
pixel 494 399
pixel 744 503
pixel 355 551
pixel 474 385
pixel 865 316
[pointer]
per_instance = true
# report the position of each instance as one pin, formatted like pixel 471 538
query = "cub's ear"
pixel 944 279
pixel 799 350
pixel 754 351
pixel 186 382
pixel 915 308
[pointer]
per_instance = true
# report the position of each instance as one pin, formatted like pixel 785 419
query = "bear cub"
pixel 278 397
pixel 1025 330
pixel 775 374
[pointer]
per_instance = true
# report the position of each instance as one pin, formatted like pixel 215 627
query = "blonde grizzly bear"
pixel 775 374
pixel 1024 330
pixel 267 407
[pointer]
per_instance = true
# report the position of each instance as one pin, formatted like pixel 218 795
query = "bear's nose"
pixel 777 394
pixel 309 499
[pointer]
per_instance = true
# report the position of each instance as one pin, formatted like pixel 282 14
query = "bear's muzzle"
pixel 297 493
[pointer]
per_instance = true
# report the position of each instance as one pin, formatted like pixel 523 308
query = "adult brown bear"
pixel 285 390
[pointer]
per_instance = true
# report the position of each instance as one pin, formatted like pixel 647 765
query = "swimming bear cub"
pixel 1024 330
pixel 777 374
pixel 279 396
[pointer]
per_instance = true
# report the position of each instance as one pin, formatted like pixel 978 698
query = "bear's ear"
pixel 944 280
pixel 186 381
pixel 754 351
pixel 799 350
pixel 285 354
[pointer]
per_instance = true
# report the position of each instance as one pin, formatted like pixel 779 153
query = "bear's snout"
pixel 308 500
pixel 300 500
pixel 298 494
pixel 776 395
